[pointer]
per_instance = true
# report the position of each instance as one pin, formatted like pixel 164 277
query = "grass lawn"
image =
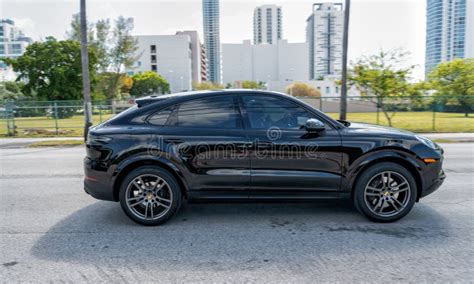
pixel 73 125
pixel 57 143
pixel 418 121
pixel 412 121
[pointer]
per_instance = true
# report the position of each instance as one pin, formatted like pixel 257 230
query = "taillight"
pixel 97 140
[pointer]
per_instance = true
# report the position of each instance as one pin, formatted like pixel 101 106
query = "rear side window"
pixel 160 117
pixel 214 112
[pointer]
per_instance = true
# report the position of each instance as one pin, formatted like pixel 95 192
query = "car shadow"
pixel 225 235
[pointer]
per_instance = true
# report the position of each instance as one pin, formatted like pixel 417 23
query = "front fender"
pixel 400 156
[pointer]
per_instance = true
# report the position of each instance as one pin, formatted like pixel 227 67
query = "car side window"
pixel 213 112
pixel 265 111
pixel 160 117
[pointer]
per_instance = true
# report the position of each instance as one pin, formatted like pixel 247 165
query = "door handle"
pixel 244 146
pixel 264 144
pixel 174 141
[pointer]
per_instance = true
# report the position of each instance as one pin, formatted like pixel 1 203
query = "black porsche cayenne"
pixel 253 145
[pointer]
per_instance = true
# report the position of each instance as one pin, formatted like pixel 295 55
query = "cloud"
pixel 24 23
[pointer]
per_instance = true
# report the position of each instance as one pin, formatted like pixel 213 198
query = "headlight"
pixel 426 141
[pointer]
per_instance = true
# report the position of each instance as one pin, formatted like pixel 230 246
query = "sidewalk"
pixel 6 143
pixel 451 137
pixel 22 142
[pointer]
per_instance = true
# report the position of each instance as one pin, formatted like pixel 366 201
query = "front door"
pixel 286 160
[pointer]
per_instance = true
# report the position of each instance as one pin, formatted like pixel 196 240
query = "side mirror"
pixel 314 125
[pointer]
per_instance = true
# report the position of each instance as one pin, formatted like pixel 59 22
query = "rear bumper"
pixel 97 182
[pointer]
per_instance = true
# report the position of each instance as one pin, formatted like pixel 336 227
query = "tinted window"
pixel 215 112
pixel 265 112
pixel 161 117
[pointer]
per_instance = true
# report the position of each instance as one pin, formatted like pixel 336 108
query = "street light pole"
pixel 345 41
pixel 85 71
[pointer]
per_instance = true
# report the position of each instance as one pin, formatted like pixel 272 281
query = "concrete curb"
pixel 11 143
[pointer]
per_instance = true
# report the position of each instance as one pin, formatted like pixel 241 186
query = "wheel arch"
pixel 404 162
pixel 122 173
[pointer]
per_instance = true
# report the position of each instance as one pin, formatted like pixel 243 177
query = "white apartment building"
pixel 328 87
pixel 324 32
pixel 282 61
pixel 267 24
pixel 168 55
pixel 13 44
pixel 197 62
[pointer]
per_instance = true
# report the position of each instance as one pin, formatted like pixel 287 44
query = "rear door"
pixel 209 140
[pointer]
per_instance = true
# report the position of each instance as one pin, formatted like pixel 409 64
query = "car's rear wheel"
pixel 385 192
pixel 150 195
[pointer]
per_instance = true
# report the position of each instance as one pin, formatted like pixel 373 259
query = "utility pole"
pixel 86 85
pixel 345 41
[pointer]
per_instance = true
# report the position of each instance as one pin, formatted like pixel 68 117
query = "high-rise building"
pixel 267 27
pixel 12 40
pixel 324 31
pixel 203 63
pixel 13 44
pixel 168 55
pixel 210 11
pixel 449 31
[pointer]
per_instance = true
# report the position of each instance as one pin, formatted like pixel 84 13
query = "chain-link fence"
pixel 419 114
pixel 52 118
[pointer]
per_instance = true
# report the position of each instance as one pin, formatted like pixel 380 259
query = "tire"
pixel 383 201
pixel 150 195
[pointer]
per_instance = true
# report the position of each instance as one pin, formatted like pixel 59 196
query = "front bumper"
pixel 433 175
pixel 434 184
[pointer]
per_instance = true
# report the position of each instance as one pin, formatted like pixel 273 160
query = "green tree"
pixel 115 49
pixel 52 69
pixel 382 77
pixel 98 40
pixel 300 89
pixel 123 50
pixel 253 85
pixel 419 96
pixel 100 44
pixel 10 90
pixel 75 30
pixel 455 79
pixel 207 86
pixel 148 83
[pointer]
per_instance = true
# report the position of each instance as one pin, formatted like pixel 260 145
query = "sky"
pixel 374 24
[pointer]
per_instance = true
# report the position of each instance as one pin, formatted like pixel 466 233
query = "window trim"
pixel 175 112
pixel 147 118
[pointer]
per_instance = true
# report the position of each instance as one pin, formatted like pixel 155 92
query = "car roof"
pixel 147 103
pixel 196 94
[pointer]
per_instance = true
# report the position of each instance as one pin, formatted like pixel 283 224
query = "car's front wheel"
pixel 150 195
pixel 385 192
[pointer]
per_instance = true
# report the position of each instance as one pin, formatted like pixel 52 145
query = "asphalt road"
pixel 50 230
